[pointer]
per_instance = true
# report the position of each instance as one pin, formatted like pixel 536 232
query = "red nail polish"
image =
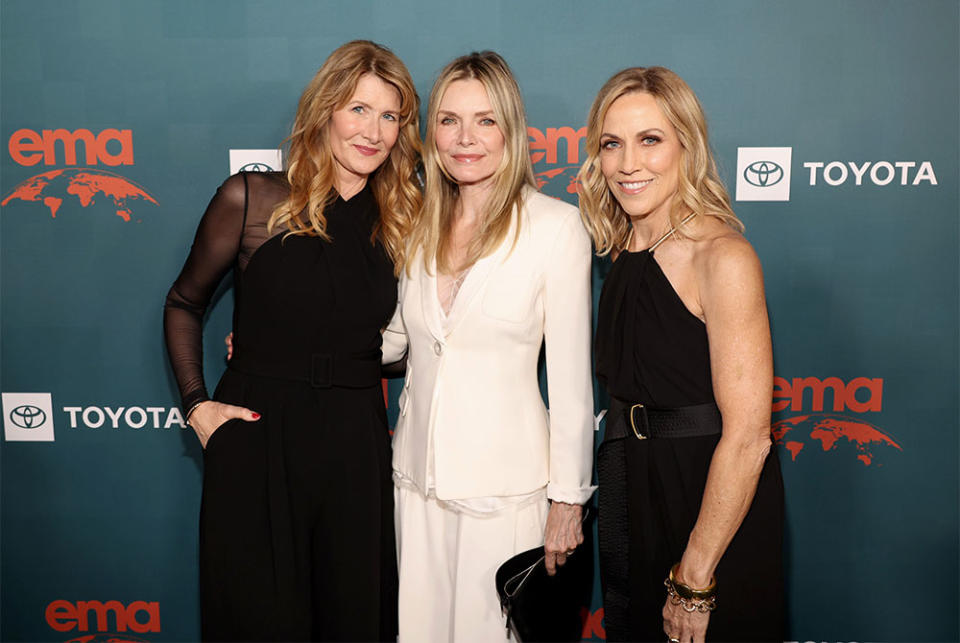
pixel 256 416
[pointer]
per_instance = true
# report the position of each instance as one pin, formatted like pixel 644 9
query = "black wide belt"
pixel 626 420
pixel 319 370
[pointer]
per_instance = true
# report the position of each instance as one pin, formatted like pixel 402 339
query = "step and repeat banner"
pixel 836 127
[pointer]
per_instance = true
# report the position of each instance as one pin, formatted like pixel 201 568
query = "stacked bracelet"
pixel 689 598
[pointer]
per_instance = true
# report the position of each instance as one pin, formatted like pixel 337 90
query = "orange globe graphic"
pixel 87 185
pixel 559 179
pixel 827 432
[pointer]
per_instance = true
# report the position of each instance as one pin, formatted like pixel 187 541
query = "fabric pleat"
pixel 650 349
pixel 296 537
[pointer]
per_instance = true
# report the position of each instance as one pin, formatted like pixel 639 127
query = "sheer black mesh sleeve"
pixel 214 251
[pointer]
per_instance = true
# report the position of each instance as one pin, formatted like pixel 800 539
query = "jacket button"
pixel 437 348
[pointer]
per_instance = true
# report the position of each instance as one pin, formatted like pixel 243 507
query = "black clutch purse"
pixel 539 607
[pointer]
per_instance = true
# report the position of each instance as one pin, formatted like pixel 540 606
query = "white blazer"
pixel 475 388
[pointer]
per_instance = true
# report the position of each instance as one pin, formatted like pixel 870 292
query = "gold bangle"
pixel 701 605
pixel 687 592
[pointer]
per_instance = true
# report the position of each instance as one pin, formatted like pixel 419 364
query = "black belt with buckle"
pixel 625 419
pixel 319 370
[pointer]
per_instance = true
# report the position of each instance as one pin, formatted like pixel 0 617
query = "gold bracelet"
pixel 687 592
pixel 701 605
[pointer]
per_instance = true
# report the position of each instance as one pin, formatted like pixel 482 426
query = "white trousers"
pixel 448 562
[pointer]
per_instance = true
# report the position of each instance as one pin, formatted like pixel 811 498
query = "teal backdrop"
pixel 118 118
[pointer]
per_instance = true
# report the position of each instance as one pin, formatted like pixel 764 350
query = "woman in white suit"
pixel 482 472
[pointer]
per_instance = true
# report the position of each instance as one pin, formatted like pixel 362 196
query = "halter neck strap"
pixel 670 232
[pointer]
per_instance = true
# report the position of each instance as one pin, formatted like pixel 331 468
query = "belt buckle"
pixel 633 424
pixel 321 370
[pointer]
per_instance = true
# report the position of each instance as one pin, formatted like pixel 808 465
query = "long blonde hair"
pixel 432 234
pixel 310 166
pixel 699 190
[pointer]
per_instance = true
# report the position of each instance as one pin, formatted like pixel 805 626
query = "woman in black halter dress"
pixel 689 488
pixel 296 524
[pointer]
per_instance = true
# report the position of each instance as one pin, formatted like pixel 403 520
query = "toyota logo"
pixel 28 416
pixel 763 174
pixel 256 167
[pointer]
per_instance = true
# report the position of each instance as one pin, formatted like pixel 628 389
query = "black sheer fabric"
pixel 233 227
pixel 296 521
pixel 295 296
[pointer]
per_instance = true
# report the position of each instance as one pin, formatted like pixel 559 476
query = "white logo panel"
pixel 763 173
pixel 27 417
pixel 255 161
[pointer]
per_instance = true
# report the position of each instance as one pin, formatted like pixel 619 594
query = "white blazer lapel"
pixel 430 304
pixel 476 279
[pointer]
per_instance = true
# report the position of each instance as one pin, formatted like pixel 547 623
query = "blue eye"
pixel 609 145
pixel 357 109
pixel 390 117
pixel 651 140
pixel 487 122
pixel 446 120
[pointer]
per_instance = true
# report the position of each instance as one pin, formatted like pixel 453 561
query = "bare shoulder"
pixel 721 247
pixel 724 260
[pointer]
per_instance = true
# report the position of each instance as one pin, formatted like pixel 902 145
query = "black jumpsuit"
pixel 651 349
pixel 296 524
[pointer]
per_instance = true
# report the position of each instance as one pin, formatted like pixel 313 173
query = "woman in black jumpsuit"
pixel 689 486
pixel 296 525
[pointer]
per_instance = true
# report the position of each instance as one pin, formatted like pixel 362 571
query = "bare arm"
pixel 731 293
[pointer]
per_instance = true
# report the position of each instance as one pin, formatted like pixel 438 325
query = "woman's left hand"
pixel 562 534
pixel 681 625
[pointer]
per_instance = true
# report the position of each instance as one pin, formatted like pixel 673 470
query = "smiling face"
pixel 640 156
pixel 362 132
pixel 468 139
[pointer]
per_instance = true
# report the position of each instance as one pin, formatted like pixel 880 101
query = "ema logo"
pixel 87 616
pixel 592 624
pixel 27 417
pixel 107 637
pixel 255 161
pixel 544 150
pixel 86 186
pixel 28 148
pixel 763 173
pixel 831 431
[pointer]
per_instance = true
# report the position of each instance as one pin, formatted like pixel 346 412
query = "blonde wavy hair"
pixel 699 191
pixel 432 234
pixel 310 162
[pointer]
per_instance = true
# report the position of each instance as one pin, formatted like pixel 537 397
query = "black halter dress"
pixel 651 349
